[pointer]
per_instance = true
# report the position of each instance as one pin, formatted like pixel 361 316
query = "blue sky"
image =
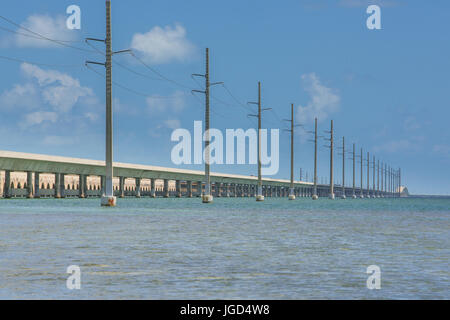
pixel 387 90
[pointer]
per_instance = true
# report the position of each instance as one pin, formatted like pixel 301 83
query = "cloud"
pixel 59 90
pixel 411 124
pixel 442 149
pixel 91 116
pixel 20 97
pixel 324 101
pixel 48 96
pixel 39 117
pixel 172 124
pixel 59 140
pixel 173 103
pixel 162 45
pixel 47 26
pixel 400 145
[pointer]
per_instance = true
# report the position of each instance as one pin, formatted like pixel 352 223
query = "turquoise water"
pixel 232 249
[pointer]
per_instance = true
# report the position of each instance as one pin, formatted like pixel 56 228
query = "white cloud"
pixel 91 116
pixel 59 90
pixel 47 26
pixel 59 140
pixel 172 124
pixel 20 97
pixel 411 124
pixel 39 117
pixel 324 101
pixel 412 144
pixel 442 149
pixel 48 96
pixel 162 45
pixel 173 103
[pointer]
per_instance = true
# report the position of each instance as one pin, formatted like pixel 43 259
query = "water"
pixel 232 249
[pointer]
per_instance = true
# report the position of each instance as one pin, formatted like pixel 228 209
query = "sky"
pixel 386 90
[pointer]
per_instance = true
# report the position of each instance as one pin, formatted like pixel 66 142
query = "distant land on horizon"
pixel 428 196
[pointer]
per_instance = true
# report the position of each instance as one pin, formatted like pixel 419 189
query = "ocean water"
pixel 232 249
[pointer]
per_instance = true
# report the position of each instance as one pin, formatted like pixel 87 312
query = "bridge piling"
pixel 36 185
pixel 138 187
pixel 166 189
pixel 29 184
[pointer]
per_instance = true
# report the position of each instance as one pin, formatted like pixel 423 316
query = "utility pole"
pixel 373 179
pixel 207 197
pixel 378 178
pixel 392 182
pixel 291 190
pixel 389 182
pixel 354 184
pixel 108 199
pixel 361 195
pixel 315 196
pixel 385 180
pixel 331 195
pixel 343 168
pixel 259 195
pixel 368 175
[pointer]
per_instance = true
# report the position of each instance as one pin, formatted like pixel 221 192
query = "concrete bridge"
pixel 37 176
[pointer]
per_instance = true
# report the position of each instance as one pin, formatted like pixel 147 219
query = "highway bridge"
pixel 38 176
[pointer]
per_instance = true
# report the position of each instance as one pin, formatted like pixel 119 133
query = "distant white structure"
pixel 404 193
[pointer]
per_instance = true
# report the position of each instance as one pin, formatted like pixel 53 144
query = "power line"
pixel 44 37
pixel 135 72
pixel 245 107
pixel 129 89
pixel 158 73
pixel 40 64
pixel 35 37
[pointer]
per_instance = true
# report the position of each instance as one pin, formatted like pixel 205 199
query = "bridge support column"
pixel 199 188
pixel 62 188
pixel 36 184
pixel 152 188
pixel 29 184
pixel 57 185
pixel 217 187
pixel 178 188
pixel 7 186
pixel 138 187
pixel 82 191
pixel 121 187
pixel 102 185
pixel 189 189
pixel 166 188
